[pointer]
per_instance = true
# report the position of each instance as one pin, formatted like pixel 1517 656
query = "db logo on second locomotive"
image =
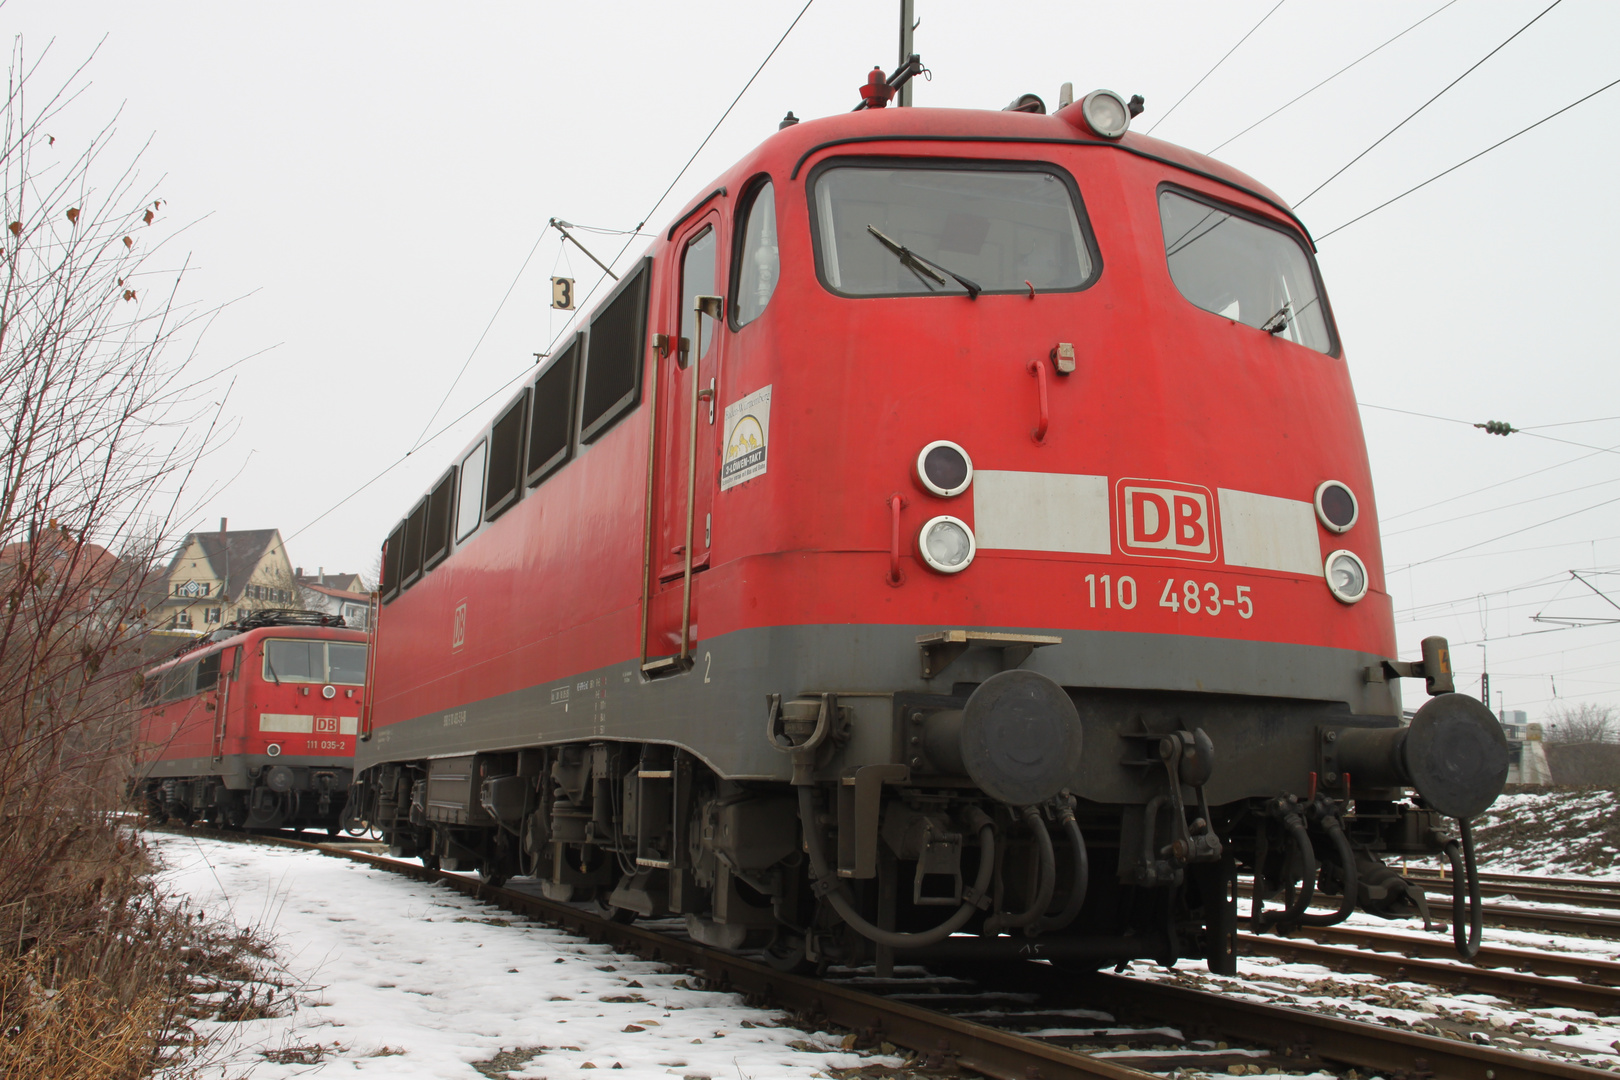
pixel 1165 518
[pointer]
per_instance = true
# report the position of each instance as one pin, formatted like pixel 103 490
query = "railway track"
pixel 1554 891
pixel 1047 999
pixel 1532 989
pixel 1511 916
pixel 1552 965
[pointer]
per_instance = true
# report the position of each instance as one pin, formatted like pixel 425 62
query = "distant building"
pixel 335 594
pixel 1527 755
pixel 1514 723
pixel 219 577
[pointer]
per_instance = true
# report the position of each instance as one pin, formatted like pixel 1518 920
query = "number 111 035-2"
pixel 1189 596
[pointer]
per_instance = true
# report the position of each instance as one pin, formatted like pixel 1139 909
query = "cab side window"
pixel 759 261
pixel 698 278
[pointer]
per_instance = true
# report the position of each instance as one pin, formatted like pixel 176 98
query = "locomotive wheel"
pixel 614 914
pixel 494 879
pixel 430 859
pixel 785 952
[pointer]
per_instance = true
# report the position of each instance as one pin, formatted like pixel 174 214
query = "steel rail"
pixel 1547 964
pixel 1591 924
pixel 1315 1035
pixel 1513 985
pixel 1550 894
pixel 990 1051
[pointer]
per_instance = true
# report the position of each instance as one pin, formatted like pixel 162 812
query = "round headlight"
pixel 946 544
pixel 328 692
pixel 1346 576
pixel 944 468
pixel 1105 113
pixel 274 749
pixel 1336 506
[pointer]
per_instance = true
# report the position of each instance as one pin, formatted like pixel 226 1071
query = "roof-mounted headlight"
pixel 1106 113
pixel 1346 576
pixel 946 544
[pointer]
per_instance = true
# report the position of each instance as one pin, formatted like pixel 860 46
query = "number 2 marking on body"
pixel 708 665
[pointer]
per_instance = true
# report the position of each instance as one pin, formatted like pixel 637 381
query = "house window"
pixel 183 620
pixel 211 615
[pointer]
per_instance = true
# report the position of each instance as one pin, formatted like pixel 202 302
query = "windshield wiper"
pixel 920 266
pixel 1280 320
pixel 270 667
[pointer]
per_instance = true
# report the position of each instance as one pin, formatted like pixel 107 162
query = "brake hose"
pixel 1045 878
pixel 1352 884
pixel 1295 827
pixel 846 910
pixel 1081 880
pixel 1464 875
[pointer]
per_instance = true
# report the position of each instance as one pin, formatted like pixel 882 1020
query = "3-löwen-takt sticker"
pixel 748 431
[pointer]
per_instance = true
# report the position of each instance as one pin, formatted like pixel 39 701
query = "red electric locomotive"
pixel 253 726
pixel 956 529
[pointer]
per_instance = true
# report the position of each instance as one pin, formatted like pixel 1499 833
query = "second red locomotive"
pixel 958 523
pixel 253 726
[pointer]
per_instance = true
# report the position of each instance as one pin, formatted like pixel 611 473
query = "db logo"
pixel 1165 518
pixel 326 725
pixel 458 632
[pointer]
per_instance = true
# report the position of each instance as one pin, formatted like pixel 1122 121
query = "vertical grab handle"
pixel 1037 369
pixel 896 576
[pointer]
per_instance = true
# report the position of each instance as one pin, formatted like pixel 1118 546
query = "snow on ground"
pixel 394 978
pixel 1558 833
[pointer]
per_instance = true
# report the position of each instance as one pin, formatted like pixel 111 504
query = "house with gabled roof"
pixel 219 577
pixel 336 594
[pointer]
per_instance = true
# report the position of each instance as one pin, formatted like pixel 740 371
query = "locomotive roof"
pixel 787 152
pixel 335 633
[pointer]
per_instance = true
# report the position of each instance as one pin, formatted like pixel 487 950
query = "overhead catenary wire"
pixel 1335 75
pixel 633 233
pixel 1474 424
pixel 1515 532
pixel 1472 68
pixel 474 352
pixel 1465 161
pixel 1218 63
pixel 631 237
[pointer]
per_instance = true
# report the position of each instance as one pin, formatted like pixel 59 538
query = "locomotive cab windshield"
pixel 1251 273
pixel 1004 228
pixel 307 661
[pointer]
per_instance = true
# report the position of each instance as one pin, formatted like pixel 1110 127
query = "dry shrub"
pixel 96 442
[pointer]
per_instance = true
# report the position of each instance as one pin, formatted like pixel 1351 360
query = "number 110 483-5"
pixel 1187 595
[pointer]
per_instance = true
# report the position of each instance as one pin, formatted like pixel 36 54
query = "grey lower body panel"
pixel 1260 700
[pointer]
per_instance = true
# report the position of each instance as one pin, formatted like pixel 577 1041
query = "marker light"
pixel 328 692
pixel 1336 506
pixel 946 544
pixel 944 468
pixel 1106 113
pixel 1346 576
pixel 274 749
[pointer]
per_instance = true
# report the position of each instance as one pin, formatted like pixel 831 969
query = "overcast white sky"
pixel 365 180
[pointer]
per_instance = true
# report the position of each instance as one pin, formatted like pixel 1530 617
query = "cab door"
pixel 230 662
pixel 685 447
